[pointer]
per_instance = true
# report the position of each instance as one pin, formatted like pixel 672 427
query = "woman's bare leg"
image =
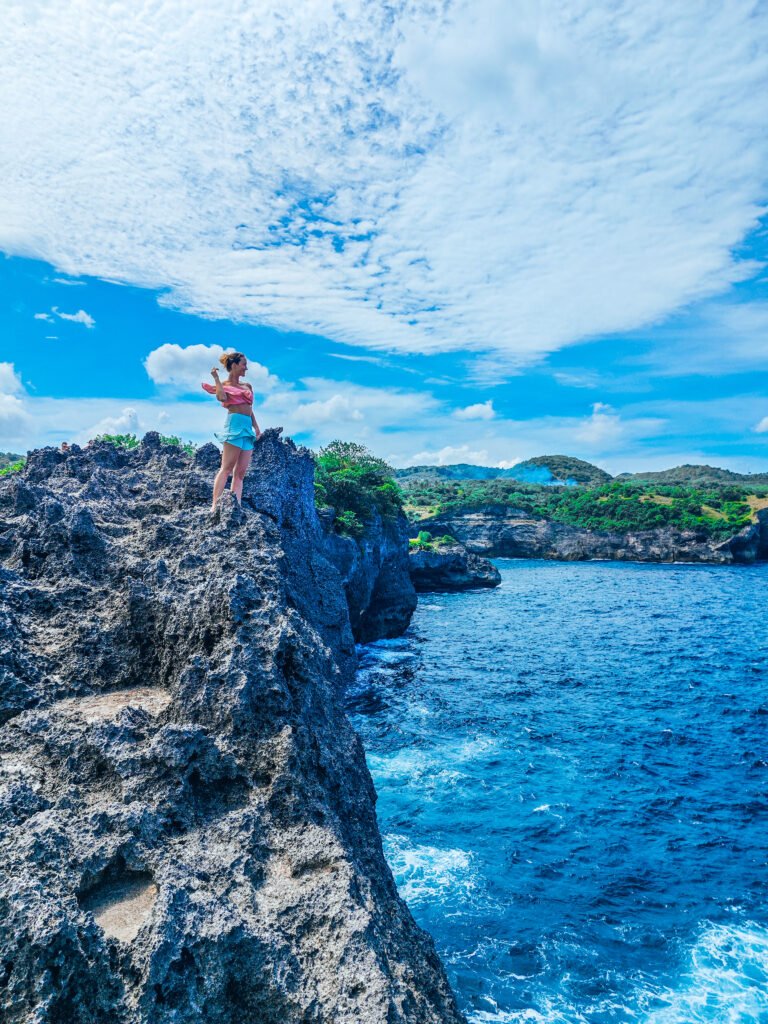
pixel 238 474
pixel 228 462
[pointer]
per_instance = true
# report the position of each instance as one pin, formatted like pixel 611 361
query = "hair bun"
pixel 229 359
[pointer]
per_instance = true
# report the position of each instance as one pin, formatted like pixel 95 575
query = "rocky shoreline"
pixel 500 531
pixel 187 822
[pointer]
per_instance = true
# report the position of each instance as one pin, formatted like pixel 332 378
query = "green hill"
pixel 544 469
pixel 696 476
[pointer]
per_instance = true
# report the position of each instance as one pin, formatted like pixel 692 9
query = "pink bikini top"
pixel 237 394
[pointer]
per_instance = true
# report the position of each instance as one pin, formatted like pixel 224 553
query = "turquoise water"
pixel 573 789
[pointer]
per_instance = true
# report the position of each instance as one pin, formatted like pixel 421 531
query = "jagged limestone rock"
pixel 187 826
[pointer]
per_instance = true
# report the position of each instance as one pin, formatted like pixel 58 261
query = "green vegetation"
pixel 424 541
pixel 356 484
pixel 14 467
pixel 10 459
pixel 172 440
pixel 119 440
pixel 697 476
pixel 131 441
pixel 718 511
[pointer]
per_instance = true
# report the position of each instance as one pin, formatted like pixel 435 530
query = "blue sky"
pixel 480 238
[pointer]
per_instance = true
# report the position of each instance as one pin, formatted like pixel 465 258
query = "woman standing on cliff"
pixel 241 430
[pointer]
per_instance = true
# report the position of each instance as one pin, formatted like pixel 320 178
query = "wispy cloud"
pixel 80 317
pixel 45 316
pixel 719 339
pixel 478 176
pixel 762 426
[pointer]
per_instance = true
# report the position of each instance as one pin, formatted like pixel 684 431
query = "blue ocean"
pixel 573 789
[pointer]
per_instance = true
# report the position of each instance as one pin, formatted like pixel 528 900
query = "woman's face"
pixel 240 369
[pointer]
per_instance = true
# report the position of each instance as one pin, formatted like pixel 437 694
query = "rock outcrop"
pixel 374 571
pixel 187 825
pixel 450 567
pixel 499 531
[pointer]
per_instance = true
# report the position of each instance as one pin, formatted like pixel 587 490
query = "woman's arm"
pixel 220 392
pixel 255 425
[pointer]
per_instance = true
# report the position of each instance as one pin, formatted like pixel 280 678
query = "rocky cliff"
pixel 503 532
pixel 187 826
pixel 374 571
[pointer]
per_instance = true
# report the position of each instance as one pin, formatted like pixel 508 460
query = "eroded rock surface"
pixel 499 531
pixel 450 567
pixel 187 826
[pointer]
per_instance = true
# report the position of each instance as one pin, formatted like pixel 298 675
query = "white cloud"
pixel 127 422
pixel 324 408
pixel 449 455
pixel 14 418
pixel 479 411
pixel 604 426
pixel 80 317
pixel 762 426
pixel 10 380
pixel 481 175
pixel 45 316
pixel 68 282
pixel 336 409
pixel 186 367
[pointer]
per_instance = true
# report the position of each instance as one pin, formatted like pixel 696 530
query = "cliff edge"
pixel 187 825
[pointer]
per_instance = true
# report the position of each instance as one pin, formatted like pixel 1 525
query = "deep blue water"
pixel 573 789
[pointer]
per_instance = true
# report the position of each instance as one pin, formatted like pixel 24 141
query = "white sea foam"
pixel 726 981
pixel 426 874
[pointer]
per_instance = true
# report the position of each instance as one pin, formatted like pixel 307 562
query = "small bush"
pixel 422 541
pixel 347 522
pixel 171 439
pixel 119 440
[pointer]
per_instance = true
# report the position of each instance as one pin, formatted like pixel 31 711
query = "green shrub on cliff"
pixel 119 440
pixel 354 482
pixel 424 541
pixel 131 441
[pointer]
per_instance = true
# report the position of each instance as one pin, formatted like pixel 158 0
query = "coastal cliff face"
pixel 374 570
pixel 498 531
pixel 187 825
